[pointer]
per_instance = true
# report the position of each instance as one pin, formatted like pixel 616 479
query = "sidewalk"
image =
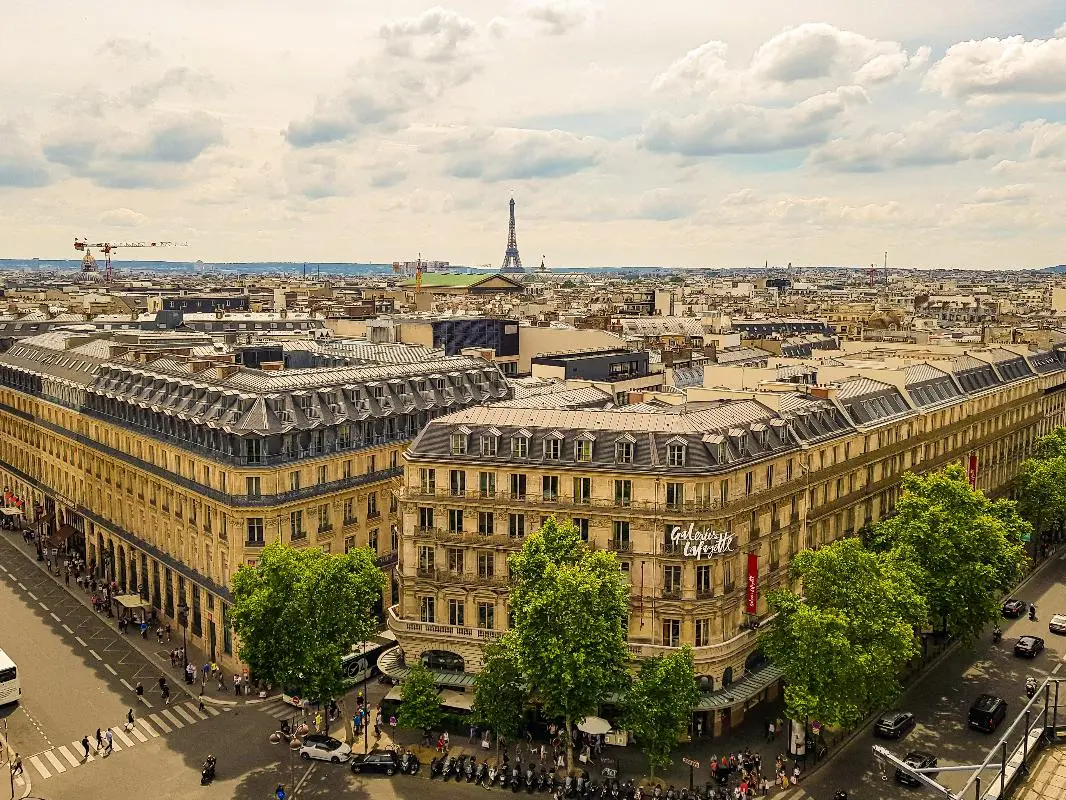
pixel 1048 778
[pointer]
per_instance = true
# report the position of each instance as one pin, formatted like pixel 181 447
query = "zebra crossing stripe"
pixel 161 724
pixel 172 717
pixel 69 756
pixel 121 734
pixel 185 715
pixel 57 765
pixel 40 767
pixel 148 728
pixel 212 711
pixel 140 737
pixel 194 710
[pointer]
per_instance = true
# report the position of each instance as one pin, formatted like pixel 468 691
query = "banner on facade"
pixel 971 470
pixel 752 605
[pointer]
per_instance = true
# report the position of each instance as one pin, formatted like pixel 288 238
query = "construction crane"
pixel 88 263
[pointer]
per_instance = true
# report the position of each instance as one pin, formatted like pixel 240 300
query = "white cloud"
pixel 22 165
pixel 438 34
pixel 194 83
pixel 995 68
pixel 817 50
pixel 699 70
pixel 1015 193
pixel 559 17
pixel 739 129
pixel 122 218
pixel 510 154
pixel 129 49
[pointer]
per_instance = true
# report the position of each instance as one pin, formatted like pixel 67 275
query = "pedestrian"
pixel 201 706
pixel 770 731
pixel 168 633
pixel 85 744
pixel 144 629
pixel 796 775
pixel 440 744
pixel 206 670
pixel 140 690
pixel 190 673
pixel 162 682
pixel 318 717
pixel 159 634
pixel 110 741
pixel 473 734
pixel 166 695
pixel 221 681
pixel 377 730
pixel 236 683
pixel 129 720
pixel 447 738
pixel 16 765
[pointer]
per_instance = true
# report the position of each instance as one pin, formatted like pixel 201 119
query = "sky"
pixel 675 133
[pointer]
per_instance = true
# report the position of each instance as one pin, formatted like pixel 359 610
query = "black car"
pixel 894 724
pixel 918 759
pixel 1028 646
pixel 1014 608
pixel 377 761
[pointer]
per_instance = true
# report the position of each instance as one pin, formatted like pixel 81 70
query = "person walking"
pixel 16 766
pixel 166 695
pixel 221 681
pixel 110 737
pixel 129 720
pixel 99 740
pixel 85 744
pixel 236 684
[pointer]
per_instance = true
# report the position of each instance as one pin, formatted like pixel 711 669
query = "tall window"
pixel 621 534
pixel 672 579
pixel 426 554
pixel 425 518
pixel 675 495
pixel 553 448
pixel 489 445
pixel 372 506
pixel 675 455
pixel 550 488
pixel 323 474
pixel 296 525
pixel 252 487
pixel 487 484
pixel 324 523
pixel 582 525
pixel 255 530
pixel 671 632
pixel 583 450
pixel 455 560
pixel 455 520
pixel 197 623
pixel 704 580
pixel 749 482
pixel 458 444
pixel 516 525
pixel 486 564
pixel 486 525
pixel 623 452
pixel 457 481
pixel 703 632
pixel 582 490
pixel 427 480
pixel 520 447
pixel 623 492
pixel 486 615
pixel 294 481
pixel 456 612
pixel 518 486
pixel 428 609
pixel 349 510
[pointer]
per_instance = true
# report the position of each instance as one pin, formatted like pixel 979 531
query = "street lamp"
pixel 183 620
pixel 294 739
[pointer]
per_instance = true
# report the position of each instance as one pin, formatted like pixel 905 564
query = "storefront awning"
pixel 459 700
pixel 391 664
pixel 751 685
pixel 11 512
pixel 131 601
pixel 62 534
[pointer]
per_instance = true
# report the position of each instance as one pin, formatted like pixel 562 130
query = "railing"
pixel 396 624
pixel 671 594
pixel 620 546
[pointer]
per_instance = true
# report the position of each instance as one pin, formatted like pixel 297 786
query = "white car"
pixel 1057 624
pixel 325 748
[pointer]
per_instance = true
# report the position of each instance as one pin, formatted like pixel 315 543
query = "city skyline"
pixel 679 135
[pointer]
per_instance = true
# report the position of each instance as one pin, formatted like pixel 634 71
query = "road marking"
pixel 192 707
pixel 1057 668
pixel 80 641
pixel 110 669
pixel 139 736
pixel 126 683
pixel 66 627
pixel 212 711
pixel 22 585
pixel 57 765
pixel 148 728
pixel 121 734
pixel 96 655
pixel 173 718
pixel 3 567
pixel 39 765
pixel 185 715
pixel 56 618
pixel 31 594
pixel 303 779
pixel 69 756
pixel 145 701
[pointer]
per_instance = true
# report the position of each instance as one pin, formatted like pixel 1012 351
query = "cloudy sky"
pixel 677 132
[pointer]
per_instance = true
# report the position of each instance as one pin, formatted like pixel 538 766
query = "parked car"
pixel 325 748
pixel 385 761
pixel 1028 646
pixel 987 712
pixel 918 759
pixel 1014 608
pixel 1057 624
pixel 894 724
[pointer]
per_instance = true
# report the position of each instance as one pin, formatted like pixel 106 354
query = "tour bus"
pixel 359 665
pixel 10 689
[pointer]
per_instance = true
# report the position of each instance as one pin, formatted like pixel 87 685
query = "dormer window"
pixel 490 445
pixel 520 447
pixel 553 447
pixel 458 444
pixel 583 450
pixel 675 454
pixel 623 452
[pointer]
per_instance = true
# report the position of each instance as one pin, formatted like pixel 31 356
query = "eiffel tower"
pixel 512 262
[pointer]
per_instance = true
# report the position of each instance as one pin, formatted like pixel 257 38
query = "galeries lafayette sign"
pixel 702 543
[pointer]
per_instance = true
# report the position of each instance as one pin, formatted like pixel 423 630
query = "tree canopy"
pixel 842 643
pixel 1051 445
pixel 659 704
pixel 569 605
pixel 420 708
pixel 968 548
pixel 500 695
pixel 298 611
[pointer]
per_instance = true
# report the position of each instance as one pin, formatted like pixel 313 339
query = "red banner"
pixel 971 470
pixel 752 605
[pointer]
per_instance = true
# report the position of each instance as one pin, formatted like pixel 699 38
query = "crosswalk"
pixel 279 709
pixel 66 757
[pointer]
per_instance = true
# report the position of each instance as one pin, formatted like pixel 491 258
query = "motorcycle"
pixel 1030 687
pixel 516 779
pixel 1032 612
pixel 530 779
pixel 435 767
pixel 409 763
pixel 447 768
pixel 569 785
pixel 544 781
pixel 207 772
pixel 469 769
pixel 997 635
pixel 480 775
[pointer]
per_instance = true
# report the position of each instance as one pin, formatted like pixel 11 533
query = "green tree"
pixel 421 704
pixel 968 549
pixel 1051 445
pixel 842 643
pixel 499 691
pixel 298 611
pixel 659 704
pixel 1040 487
pixel 569 603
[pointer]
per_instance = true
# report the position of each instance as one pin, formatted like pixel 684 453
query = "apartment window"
pixel 490 445
pixel 372 506
pixel 703 632
pixel 296 525
pixel 675 455
pixel 583 490
pixel 487 484
pixel 323 518
pixel 486 616
pixel 623 452
pixel 675 495
pixel 518 486
pixel 349 543
pixel 727 575
pixel 372 464
pixel 671 632
pixel 252 486
pixel 223 528
pixel 427 480
pixel 516 525
pixel 457 482
pixel 458 444
pixel 749 482
pixel 455 560
pixel 349 510
pixel 486 564
pixel 788 470
pixel 425 557
pixel 254 529
pixel 428 609
pixel 197 622
pixel 553 449
pixel 723 493
pixel 520 447
pixel 621 535
pixel 623 492
pixel 704 580
pixel 294 481
pixel 455 520
pixel 775 553
pixel 672 579
pixel 486 523
pixel 583 450
pixel 582 525
pixel 346 469
pixel 770 476
pixel 550 488
pixel 456 612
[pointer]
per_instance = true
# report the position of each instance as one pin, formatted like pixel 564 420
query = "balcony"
pixel 254 543
pixel 620 545
pixel 398 625
pixel 671 594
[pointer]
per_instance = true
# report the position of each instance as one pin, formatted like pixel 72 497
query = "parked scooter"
pixel 1030 686
pixel 207 772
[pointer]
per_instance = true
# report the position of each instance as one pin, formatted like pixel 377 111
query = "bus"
pixel 358 666
pixel 10 688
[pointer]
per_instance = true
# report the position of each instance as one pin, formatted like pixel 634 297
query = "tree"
pixel 659 704
pixel 1051 445
pixel 499 691
pixel 298 611
pixel 421 703
pixel 569 603
pixel 968 549
pixel 842 643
